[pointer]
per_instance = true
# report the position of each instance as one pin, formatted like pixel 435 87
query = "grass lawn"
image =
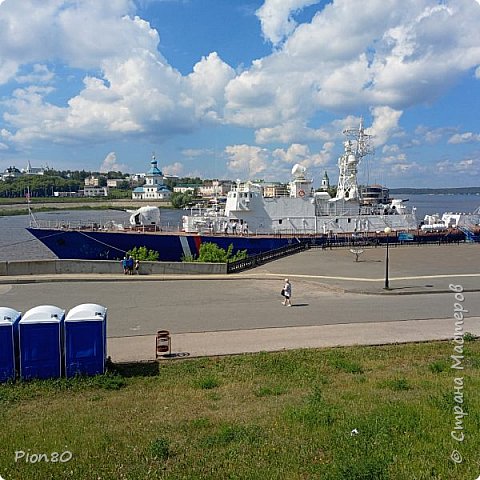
pixel 286 415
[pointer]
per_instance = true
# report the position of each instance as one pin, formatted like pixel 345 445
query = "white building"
pixel 154 188
pixel 92 181
pixel 33 170
pixel 95 191
pixel 185 188
pixel 11 172
pixel 211 188
pixel 114 182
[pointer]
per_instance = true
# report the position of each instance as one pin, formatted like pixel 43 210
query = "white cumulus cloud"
pixel 110 164
pixel 176 168
pixel 276 17
pixel 297 153
pixel 467 137
pixel 247 159
pixel 386 53
pixel 385 122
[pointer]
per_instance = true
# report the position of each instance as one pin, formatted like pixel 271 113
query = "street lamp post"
pixel 387 231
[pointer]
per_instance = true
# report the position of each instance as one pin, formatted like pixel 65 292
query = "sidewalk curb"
pixel 65 278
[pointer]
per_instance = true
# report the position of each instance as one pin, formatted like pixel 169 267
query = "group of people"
pixel 235 227
pixel 130 265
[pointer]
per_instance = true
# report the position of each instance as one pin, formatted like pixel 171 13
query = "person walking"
pixel 287 293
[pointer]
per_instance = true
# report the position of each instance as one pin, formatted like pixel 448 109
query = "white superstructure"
pixel 305 211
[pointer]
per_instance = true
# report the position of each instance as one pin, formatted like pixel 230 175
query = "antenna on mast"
pixel 357 145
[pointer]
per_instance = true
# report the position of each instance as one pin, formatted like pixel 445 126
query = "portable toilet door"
pixel 40 338
pixel 8 342
pixel 85 340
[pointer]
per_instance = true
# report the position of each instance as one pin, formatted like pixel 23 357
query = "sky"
pixel 243 88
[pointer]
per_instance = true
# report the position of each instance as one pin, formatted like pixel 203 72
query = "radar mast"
pixel 357 145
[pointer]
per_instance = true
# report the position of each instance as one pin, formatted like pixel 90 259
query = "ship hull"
pixel 101 245
pixel 96 245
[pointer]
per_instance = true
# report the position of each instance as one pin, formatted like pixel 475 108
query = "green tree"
pixel 115 193
pixel 143 254
pixel 180 200
pixel 211 253
pixel 39 186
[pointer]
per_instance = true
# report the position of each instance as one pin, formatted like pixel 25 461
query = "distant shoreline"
pixel 436 191
pixel 21 208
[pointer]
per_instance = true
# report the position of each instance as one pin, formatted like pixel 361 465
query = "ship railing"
pixel 264 257
pixel 93 226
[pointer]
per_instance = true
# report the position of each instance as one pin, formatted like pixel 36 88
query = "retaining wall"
pixel 52 267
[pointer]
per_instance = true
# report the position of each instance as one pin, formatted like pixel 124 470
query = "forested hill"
pixel 437 191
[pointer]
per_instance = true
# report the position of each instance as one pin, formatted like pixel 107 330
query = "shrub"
pixel 211 253
pixel 143 254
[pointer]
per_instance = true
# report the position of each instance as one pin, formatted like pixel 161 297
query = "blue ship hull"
pixel 98 245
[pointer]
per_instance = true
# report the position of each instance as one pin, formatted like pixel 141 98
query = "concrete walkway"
pixel 326 281
pixel 142 348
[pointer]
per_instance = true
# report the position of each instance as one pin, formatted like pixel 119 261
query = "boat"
pixel 253 221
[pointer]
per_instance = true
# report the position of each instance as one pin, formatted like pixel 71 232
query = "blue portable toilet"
pixel 40 338
pixel 8 342
pixel 85 340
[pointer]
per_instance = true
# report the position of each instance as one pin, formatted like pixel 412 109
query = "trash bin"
pixel 8 343
pixel 40 339
pixel 163 343
pixel 85 340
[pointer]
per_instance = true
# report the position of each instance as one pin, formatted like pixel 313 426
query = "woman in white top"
pixel 287 293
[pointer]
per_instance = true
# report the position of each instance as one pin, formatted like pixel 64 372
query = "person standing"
pixel 287 293
pixel 124 265
pixel 129 265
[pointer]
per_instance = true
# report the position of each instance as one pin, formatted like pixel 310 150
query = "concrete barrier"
pixel 33 267
pixel 52 267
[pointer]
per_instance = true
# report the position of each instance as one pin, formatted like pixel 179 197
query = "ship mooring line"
pixel 103 243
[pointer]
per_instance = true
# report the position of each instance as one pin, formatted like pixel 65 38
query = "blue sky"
pixel 242 89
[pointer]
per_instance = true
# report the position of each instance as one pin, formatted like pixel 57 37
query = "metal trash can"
pixel 85 340
pixel 40 337
pixel 9 319
pixel 163 344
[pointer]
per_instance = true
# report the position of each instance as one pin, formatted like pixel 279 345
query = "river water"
pixel 17 244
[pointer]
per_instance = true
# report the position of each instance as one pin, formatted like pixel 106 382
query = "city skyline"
pixel 221 89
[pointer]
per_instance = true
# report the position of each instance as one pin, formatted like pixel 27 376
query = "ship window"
pixel 280 221
pixel 349 220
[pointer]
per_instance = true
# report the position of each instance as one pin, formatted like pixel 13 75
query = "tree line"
pixel 54 181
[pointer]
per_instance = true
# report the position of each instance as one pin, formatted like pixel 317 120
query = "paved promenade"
pixel 201 344
pixel 337 301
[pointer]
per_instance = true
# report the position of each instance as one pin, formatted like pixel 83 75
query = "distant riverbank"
pixel 20 208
